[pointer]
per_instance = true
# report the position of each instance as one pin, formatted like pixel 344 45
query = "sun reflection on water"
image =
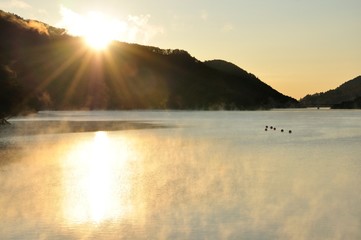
pixel 97 180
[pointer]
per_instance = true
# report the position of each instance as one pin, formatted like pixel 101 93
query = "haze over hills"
pixel 58 71
pixel 340 97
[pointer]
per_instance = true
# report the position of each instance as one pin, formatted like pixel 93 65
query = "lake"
pixel 182 175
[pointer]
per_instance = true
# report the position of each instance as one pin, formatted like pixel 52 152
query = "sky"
pixel 298 47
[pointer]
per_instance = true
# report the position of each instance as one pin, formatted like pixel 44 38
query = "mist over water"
pixel 182 175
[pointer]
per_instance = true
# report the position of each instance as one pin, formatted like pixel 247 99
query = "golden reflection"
pixel 97 180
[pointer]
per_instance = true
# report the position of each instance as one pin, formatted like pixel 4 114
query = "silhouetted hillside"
pixel 228 67
pixel 354 104
pixel 247 79
pixel 346 92
pixel 57 71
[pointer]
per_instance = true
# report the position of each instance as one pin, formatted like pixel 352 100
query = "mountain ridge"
pixel 57 71
pixel 346 92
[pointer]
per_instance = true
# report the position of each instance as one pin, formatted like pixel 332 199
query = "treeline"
pixel 10 94
pixel 353 104
pixel 341 96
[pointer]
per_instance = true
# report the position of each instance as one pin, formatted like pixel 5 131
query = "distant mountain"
pixel 57 71
pixel 346 92
pixel 354 104
pixel 233 69
pixel 252 82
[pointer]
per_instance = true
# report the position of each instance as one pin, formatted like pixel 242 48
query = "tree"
pixel 10 94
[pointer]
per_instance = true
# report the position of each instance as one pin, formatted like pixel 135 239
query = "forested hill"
pixel 245 77
pixel 347 92
pixel 57 71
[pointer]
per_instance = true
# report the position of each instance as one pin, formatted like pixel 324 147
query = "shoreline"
pixel 19 128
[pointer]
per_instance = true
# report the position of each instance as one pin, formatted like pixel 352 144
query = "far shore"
pixel 17 128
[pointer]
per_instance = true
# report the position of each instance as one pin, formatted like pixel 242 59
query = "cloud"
pixel 204 15
pixel 132 29
pixel 71 21
pixel 43 12
pixel 141 29
pixel 227 27
pixel 14 4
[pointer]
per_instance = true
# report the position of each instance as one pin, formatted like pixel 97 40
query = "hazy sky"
pixel 296 46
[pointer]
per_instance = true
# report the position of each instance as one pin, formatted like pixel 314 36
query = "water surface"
pixel 182 175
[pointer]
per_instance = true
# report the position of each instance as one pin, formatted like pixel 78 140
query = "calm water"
pixel 208 175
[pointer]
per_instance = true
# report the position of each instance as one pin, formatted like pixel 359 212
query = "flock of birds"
pixel 274 129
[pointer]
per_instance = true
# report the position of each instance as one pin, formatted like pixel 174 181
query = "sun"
pixel 98 31
pixel 96 28
pixel 97 42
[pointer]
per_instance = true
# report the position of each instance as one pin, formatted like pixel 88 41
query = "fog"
pixel 204 176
